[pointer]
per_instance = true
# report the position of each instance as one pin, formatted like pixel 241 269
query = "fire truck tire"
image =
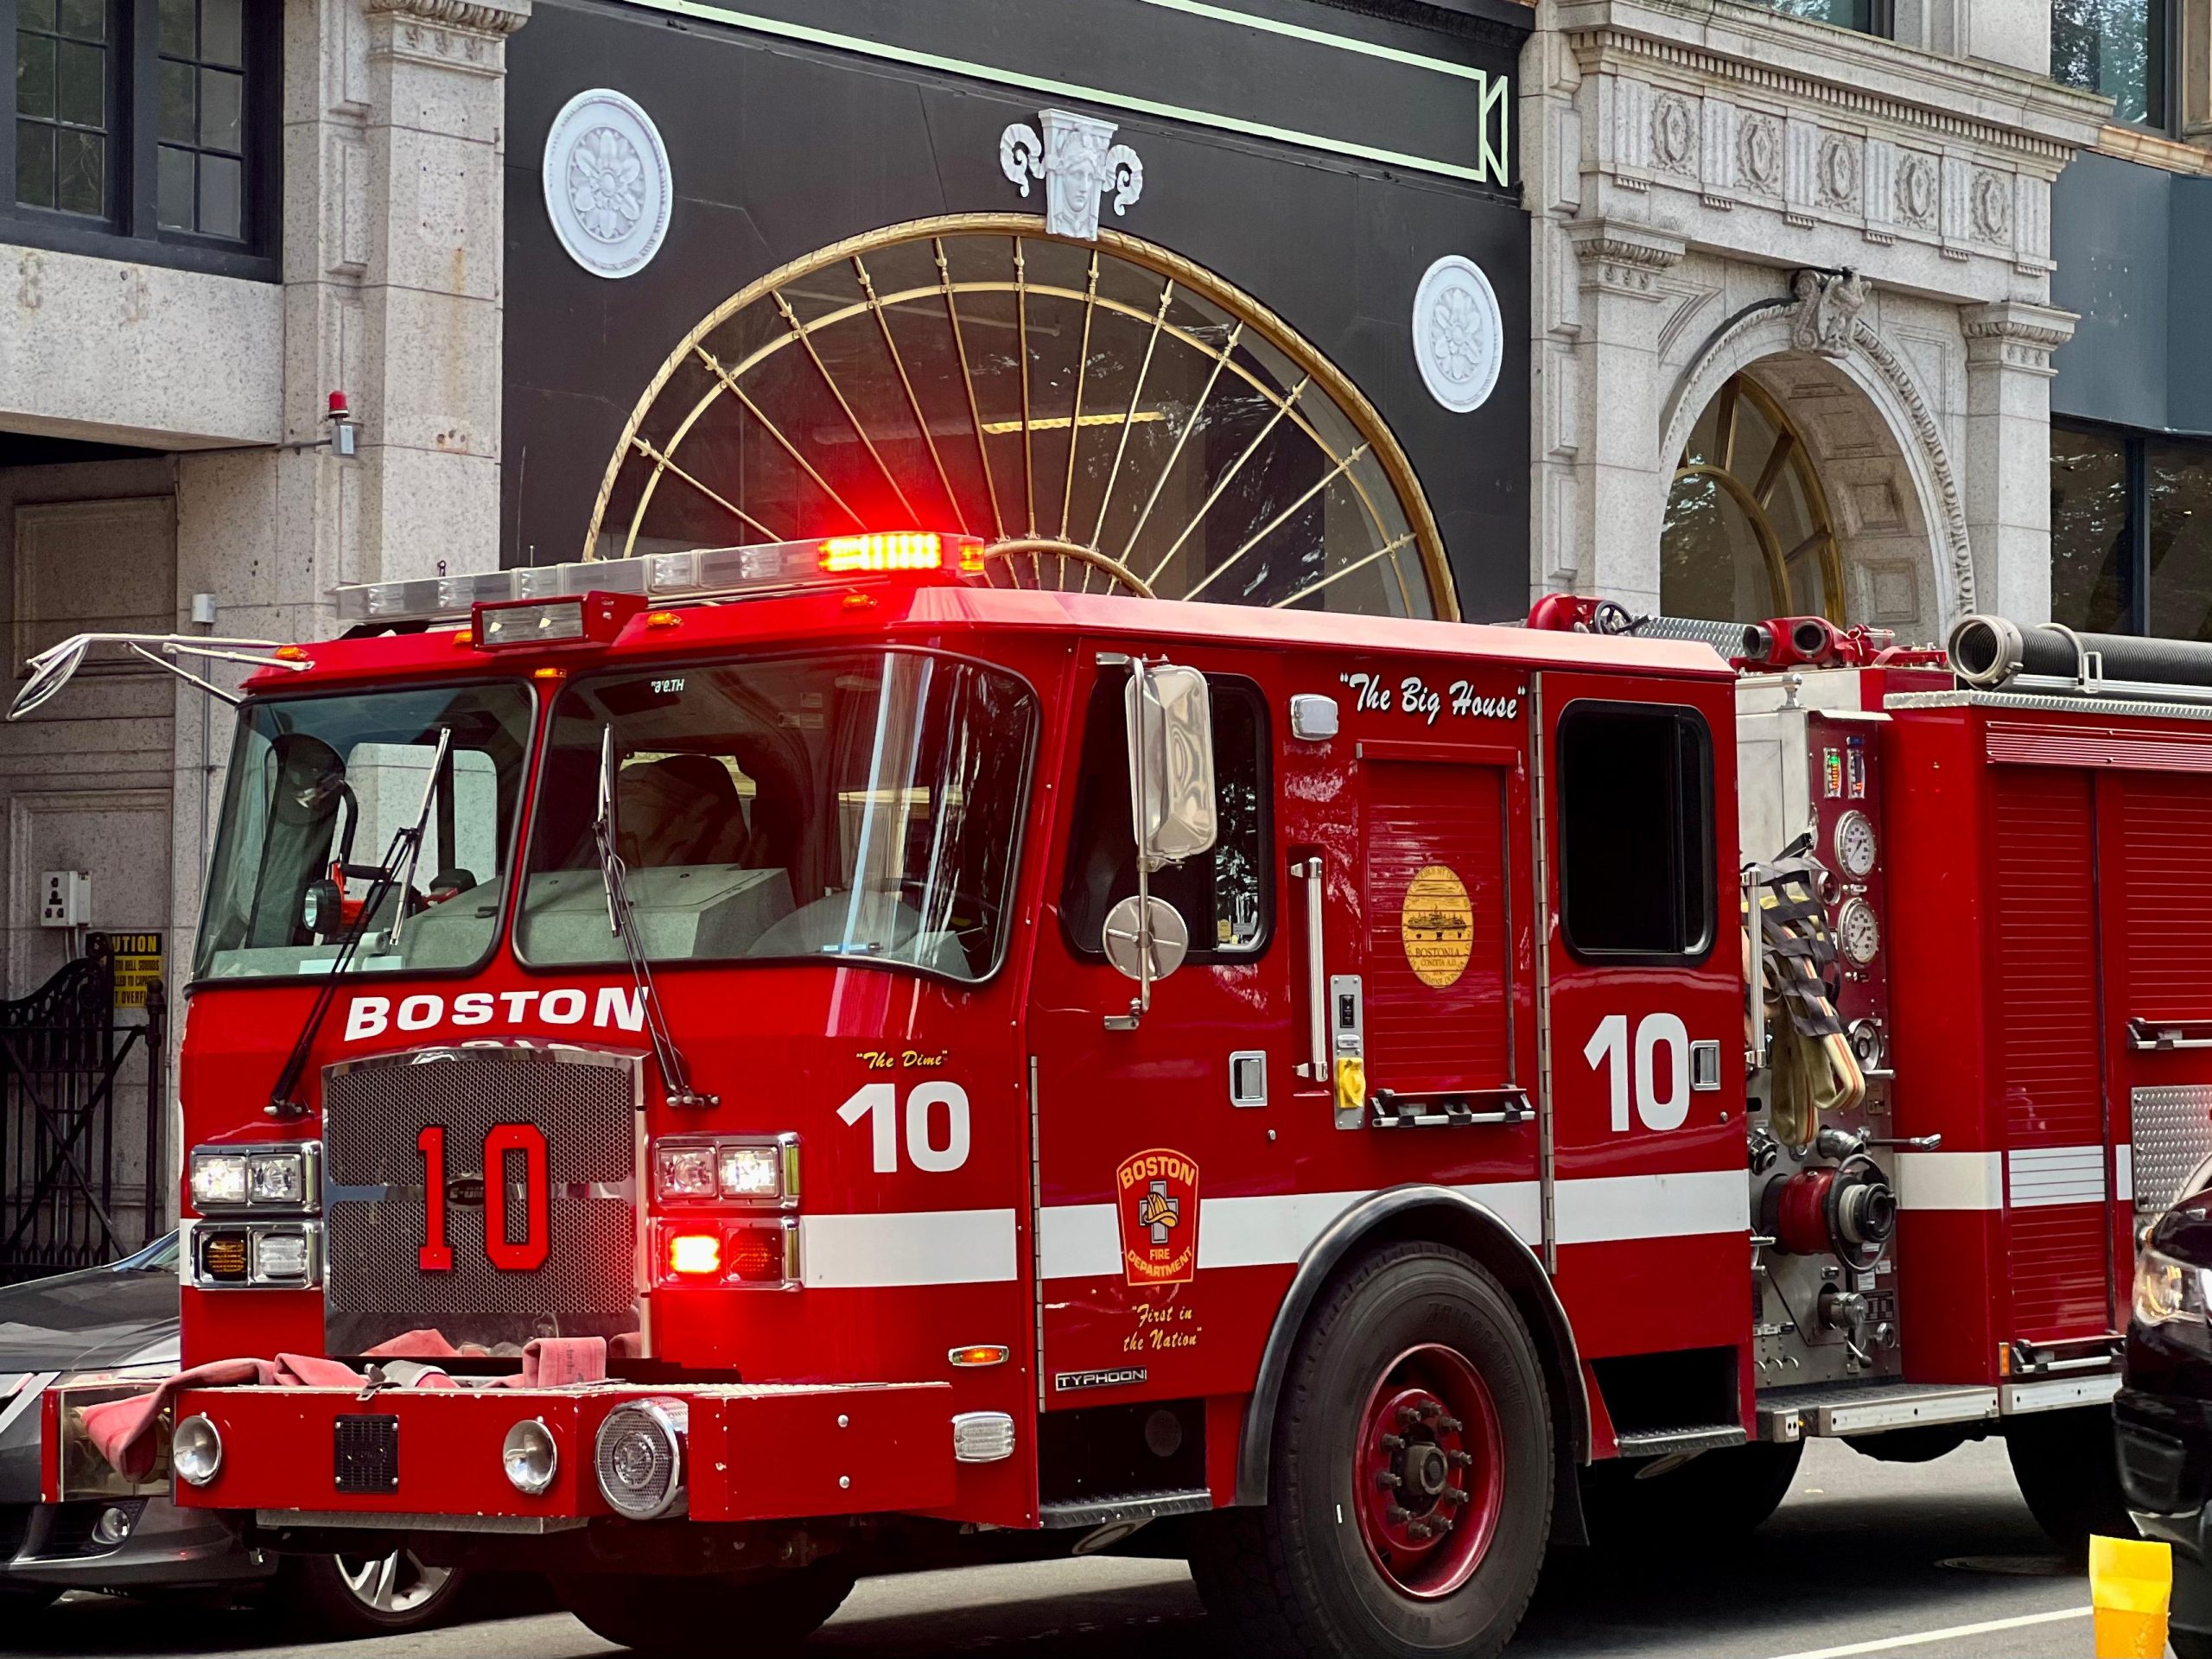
pixel 349 1595
pixel 1723 1494
pixel 664 1616
pixel 2063 1461
pixel 1418 1345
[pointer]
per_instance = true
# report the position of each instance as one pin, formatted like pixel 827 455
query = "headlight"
pixel 196 1451
pixel 752 1172
pixel 285 1179
pixel 277 1177
pixel 218 1180
pixel 530 1456
pixel 685 1170
pixel 2166 1290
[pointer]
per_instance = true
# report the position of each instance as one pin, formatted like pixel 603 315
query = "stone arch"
pixel 1906 431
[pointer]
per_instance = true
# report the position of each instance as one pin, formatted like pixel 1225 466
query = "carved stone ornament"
pixel 1674 132
pixel 1459 334
pixel 1992 207
pixel 1758 153
pixel 1079 161
pixel 1917 189
pixel 1828 303
pixel 607 186
pixel 1839 171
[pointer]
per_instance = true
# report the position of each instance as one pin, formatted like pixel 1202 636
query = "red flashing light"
pixel 880 552
pixel 694 1254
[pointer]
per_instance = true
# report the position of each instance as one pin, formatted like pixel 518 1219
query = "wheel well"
pixel 1444 1217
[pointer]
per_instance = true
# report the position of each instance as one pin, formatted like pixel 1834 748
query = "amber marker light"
pixel 549 673
pixel 662 619
pixel 982 1353
pixel 290 653
pixel 464 638
pixel 694 1254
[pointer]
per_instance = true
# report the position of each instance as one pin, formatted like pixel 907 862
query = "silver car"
pixel 120 1323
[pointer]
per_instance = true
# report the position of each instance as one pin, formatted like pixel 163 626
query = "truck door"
pixel 1438 902
pixel 1141 1125
pixel 1648 1206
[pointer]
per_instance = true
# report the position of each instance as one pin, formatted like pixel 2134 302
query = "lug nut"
pixel 1397 1514
pixel 1420 1530
pixel 1455 1493
pixel 1460 1459
pixel 1449 1424
pixel 1393 1442
pixel 1388 1480
pixel 1408 1416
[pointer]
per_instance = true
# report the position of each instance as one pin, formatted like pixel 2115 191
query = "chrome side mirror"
pixel 1146 938
pixel 1169 715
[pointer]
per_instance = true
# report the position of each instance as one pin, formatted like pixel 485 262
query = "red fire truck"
pixel 712 1073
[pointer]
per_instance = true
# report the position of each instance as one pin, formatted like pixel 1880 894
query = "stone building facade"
pixel 166 367
pixel 1792 327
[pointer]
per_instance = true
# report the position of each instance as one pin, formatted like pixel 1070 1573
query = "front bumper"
pixel 168 1548
pixel 754 1453
pixel 2163 1443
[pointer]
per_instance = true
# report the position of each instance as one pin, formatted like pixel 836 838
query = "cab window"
pixel 1226 897
pixel 1636 832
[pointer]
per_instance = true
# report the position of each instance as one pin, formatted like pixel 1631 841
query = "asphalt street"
pixel 1936 1560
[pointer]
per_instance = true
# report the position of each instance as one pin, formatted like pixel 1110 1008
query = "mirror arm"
pixel 1140 1004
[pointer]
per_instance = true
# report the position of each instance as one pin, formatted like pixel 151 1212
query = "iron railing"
pixel 82 1098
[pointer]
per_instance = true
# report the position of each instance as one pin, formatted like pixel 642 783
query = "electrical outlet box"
pixel 67 899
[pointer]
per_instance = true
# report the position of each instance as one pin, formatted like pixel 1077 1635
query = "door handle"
pixel 1316 981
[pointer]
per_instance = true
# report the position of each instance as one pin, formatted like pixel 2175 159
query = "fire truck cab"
pixel 711 1073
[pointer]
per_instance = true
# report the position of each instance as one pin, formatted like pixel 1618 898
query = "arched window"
pixel 1748 534
pixel 1109 415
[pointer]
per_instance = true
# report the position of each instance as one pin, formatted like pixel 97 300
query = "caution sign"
pixel 138 965
pixel 1438 926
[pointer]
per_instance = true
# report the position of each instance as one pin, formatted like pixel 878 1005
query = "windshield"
pixel 319 787
pixel 862 806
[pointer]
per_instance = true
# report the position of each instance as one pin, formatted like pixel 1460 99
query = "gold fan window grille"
pixel 1108 416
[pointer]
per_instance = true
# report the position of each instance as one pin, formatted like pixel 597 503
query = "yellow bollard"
pixel 2131 1585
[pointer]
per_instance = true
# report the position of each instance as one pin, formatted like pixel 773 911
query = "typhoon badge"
pixel 1157 1197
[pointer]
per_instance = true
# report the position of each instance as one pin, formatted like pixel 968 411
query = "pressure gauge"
pixel 1855 843
pixel 1861 935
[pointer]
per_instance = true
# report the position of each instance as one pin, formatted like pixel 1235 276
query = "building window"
pixel 146 129
pixel 2131 533
pixel 202 169
pixel 1636 832
pixel 61 105
pixel 2119 49
pixel 1748 534
pixel 1866 17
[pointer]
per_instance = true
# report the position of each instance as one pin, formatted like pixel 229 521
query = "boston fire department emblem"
pixel 1157 1194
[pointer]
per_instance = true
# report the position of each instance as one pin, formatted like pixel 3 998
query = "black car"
pixel 2162 1417
pixel 120 1323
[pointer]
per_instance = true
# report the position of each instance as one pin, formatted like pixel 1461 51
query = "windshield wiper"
pixel 622 921
pixel 407 845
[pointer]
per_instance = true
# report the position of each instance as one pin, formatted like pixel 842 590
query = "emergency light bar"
pixel 688 573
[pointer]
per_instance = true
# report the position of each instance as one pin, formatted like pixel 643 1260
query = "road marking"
pixel 1923 1637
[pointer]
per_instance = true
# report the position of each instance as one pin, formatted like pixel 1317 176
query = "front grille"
pixel 374 1113
pixel 364 1453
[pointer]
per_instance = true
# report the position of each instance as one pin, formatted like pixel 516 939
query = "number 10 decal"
pixel 1607 1051
pixel 436 1255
